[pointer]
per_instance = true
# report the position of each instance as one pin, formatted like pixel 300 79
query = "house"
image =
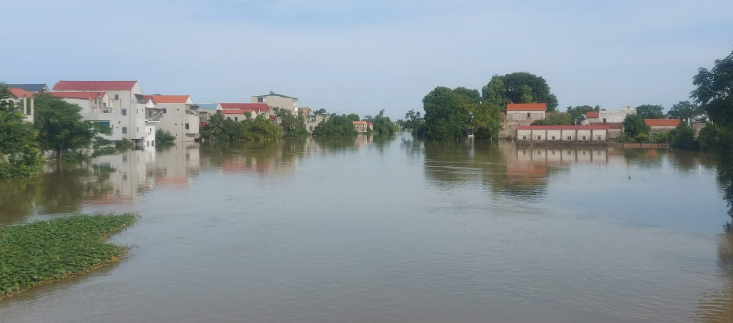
pixel 33 88
pixel 206 110
pixel 314 121
pixel 180 116
pixel 96 107
pixel 235 111
pixel 521 114
pixel 661 125
pixel 361 126
pixel 611 116
pixel 22 100
pixel 278 101
pixel 597 133
pixel 127 98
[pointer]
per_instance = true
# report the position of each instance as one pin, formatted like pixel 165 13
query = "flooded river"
pixel 390 231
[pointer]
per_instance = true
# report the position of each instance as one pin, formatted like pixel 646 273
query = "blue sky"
pixel 363 56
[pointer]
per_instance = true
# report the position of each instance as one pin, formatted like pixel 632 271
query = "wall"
pixel 275 101
pixel 656 129
pixel 522 119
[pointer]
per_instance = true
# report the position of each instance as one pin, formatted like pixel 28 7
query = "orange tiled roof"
pixel 526 107
pixel 94 86
pixel 662 122
pixel 19 93
pixel 170 98
pixel 593 114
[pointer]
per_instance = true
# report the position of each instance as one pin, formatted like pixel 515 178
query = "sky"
pixel 363 56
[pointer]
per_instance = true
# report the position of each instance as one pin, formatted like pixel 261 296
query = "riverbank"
pixel 45 251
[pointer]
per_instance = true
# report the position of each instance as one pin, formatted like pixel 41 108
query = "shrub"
pixel 164 137
pixel 623 138
pixel 661 138
pixel 642 138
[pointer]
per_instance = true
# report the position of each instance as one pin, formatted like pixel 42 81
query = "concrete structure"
pixel 563 134
pixel 127 98
pixel 22 100
pixel 278 101
pixel 363 126
pixel 613 116
pixel 180 116
pixel 97 107
pixel 314 121
pixel 33 88
pixel 235 111
pixel 521 114
pixel 661 125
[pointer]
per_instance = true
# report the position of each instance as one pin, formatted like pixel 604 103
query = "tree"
pixel 685 110
pixel 555 119
pixel 353 117
pixel 19 151
pixel 413 121
pixel 446 114
pixel 60 126
pixel 335 127
pixel 486 121
pixel 634 124
pixel 164 137
pixel 577 114
pixel 495 92
pixel 383 125
pixel 649 111
pixel 473 95
pixel 293 127
pixel 220 129
pixel 714 93
pixel 683 137
pixel 525 87
pixel 320 112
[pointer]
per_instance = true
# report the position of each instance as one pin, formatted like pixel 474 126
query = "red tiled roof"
pixel 19 93
pixel 526 107
pixel 246 106
pixel 239 111
pixel 662 122
pixel 78 95
pixel 592 114
pixel 94 86
pixel 589 127
pixel 170 98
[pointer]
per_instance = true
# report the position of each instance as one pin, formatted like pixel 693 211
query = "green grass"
pixel 45 251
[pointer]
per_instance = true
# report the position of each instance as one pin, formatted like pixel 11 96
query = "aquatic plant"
pixel 45 251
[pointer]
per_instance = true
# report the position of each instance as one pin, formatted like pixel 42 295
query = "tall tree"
pixel 495 92
pixel 383 125
pixel 685 110
pixel 446 114
pixel 715 91
pixel 650 111
pixel 413 121
pixel 525 87
pixel 635 125
pixel 473 95
pixel 577 114
pixel 60 126
pixel 19 151
pixel 353 117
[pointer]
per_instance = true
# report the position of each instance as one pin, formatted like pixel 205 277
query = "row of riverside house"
pixel 598 127
pixel 132 115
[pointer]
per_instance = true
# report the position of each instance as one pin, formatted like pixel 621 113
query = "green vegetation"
pixel 683 137
pixel 413 121
pixel 685 111
pixel 164 137
pixel 519 87
pixel 649 111
pixel 635 126
pixel 62 129
pixel 19 150
pixel 383 126
pixel 335 127
pixel 46 251
pixel 447 113
pixel 713 94
pixel 577 114
pixel 555 119
pixel 220 129
pixel 293 127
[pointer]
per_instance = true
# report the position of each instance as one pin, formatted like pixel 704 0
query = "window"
pixel 147 143
pixel 187 126
pixel 124 176
pixel 529 115
pixel 553 137
pixel 539 137
pixel 165 110
pixel 124 112
pixel 599 138
pixel 260 99
pixel 124 158
pixel 524 152
pixel 523 137
pixel 124 130
pixel 584 138
pixel 604 120
pixel 137 129
pixel 236 119
pixel 570 138
pixel 117 97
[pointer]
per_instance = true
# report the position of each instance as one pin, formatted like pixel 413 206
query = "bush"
pixel 335 127
pixel 623 138
pixel 164 137
pixel 683 137
pixel 661 138
pixel 642 138
pixel 45 251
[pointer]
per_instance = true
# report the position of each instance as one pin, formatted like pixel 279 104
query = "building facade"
pixel 236 111
pixel 661 125
pixel 23 101
pixel 180 116
pixel 613 116
pixel 127 98
pixel 97 107
pixel 521 114
pixel 278 101
pixel 563 134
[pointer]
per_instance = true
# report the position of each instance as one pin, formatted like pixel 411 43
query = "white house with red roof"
pixel 127 98
pixel 236 111
pixel 180 116
pixel 97 107
pixel 23 101
pixel 608 116
pixel 597 133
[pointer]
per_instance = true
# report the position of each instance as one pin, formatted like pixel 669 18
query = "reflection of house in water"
pixel 126 175
pixel 174 166
pixel 559 156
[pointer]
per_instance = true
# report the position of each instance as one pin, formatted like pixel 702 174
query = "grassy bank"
pixel 45 251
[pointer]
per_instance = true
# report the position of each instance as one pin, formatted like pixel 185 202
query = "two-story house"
pixel 180 116
pixel 127 100
pixel 23 101
pixel 521 114
pixel 97 107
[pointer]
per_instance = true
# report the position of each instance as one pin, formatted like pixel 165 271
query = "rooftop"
pixel 29 87
pixel 275 94
pixel 94 85
pixel 526 107
pixel 19 93
pixel 593 114
pixel 589 127
pixel 171 98
pixel 662 122
pixel 78 95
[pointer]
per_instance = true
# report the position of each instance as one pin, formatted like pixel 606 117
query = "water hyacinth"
pixel 44 251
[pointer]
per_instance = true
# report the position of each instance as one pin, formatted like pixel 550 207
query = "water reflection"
pixel 717 305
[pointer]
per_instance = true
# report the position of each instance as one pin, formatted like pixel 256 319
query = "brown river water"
pixel 394 230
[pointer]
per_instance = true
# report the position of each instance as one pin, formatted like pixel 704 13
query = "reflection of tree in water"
pixel 717 306
pixel 725 181
pixel 61 188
